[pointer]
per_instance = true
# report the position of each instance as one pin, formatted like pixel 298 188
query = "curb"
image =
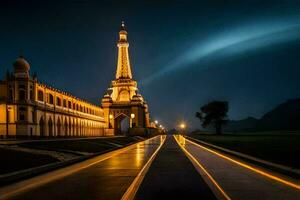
pixel 291 172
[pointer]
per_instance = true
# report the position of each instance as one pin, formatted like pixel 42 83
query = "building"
pixel 30 108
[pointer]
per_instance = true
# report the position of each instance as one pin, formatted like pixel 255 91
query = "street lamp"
pixel 182 126
pixel 132 116
pixel 156 122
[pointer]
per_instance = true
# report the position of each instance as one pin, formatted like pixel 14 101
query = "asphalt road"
pixel 172 176
pixel 108 179
pixel 239 182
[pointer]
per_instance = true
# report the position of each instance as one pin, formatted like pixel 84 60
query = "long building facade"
pixel 30 108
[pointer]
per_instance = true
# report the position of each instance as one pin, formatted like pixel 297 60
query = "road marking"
pixel 225 195
pixel 23 186
pixel 261 172
pixel 133 188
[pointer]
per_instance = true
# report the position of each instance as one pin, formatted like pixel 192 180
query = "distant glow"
pixel 182 125
pixel 233 42
pixel 111 116
pixel 156 122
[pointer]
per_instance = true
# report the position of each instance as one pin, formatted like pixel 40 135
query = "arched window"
pixel 58 101
pixel 50 99
pixel 65 103
pixel 40 95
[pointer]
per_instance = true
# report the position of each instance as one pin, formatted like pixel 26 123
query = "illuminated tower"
pixel 123 87
pixel 123 67
pixel 123 100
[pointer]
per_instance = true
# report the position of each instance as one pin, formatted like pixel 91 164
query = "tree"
pixel 214 113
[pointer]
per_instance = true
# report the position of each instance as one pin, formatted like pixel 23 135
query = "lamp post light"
pixel 182 126
pixel 132 116
pixel 110 119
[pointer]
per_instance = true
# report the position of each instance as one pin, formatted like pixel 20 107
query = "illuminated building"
pixel 30 108
pixel 123 100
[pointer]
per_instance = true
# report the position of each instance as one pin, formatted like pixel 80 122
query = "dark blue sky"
pixel 183 53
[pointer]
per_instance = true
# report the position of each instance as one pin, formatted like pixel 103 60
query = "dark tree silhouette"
pixel 215 113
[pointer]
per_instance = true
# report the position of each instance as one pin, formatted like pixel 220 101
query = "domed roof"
pixel 21 65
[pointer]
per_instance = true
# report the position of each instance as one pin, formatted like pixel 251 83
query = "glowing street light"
pixel 156 122
pixel 182 126
pixel 132 115
pixel 110 119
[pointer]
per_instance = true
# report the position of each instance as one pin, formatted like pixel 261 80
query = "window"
pixel 40 95
pixel 58 101
pixel 50 99
pixel 74 106
pixel 69 104
pixel 21 94
pixel 65 103
pixel 22 111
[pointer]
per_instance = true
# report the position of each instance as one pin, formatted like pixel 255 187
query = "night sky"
pixel 183 53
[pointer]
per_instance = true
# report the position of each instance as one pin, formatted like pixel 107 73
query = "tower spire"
pixel 123 66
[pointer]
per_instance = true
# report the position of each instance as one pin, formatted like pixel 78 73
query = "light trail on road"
pixel 214 182
pixel 238 179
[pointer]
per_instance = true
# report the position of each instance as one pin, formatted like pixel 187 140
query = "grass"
pixel 96 145
pixel 278 148
pixel 11 160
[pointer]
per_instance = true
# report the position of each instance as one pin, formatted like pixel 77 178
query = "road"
pixel 237 181
pixel 137 170
pixel 98 178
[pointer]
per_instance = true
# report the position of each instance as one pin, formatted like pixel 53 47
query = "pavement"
pixel 239 182
pixel 172 176
pixel 104 179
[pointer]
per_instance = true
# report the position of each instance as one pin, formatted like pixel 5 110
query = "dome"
pixel 21 65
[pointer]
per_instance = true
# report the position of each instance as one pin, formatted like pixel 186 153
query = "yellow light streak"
pixel 261 172
pixel 204 170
